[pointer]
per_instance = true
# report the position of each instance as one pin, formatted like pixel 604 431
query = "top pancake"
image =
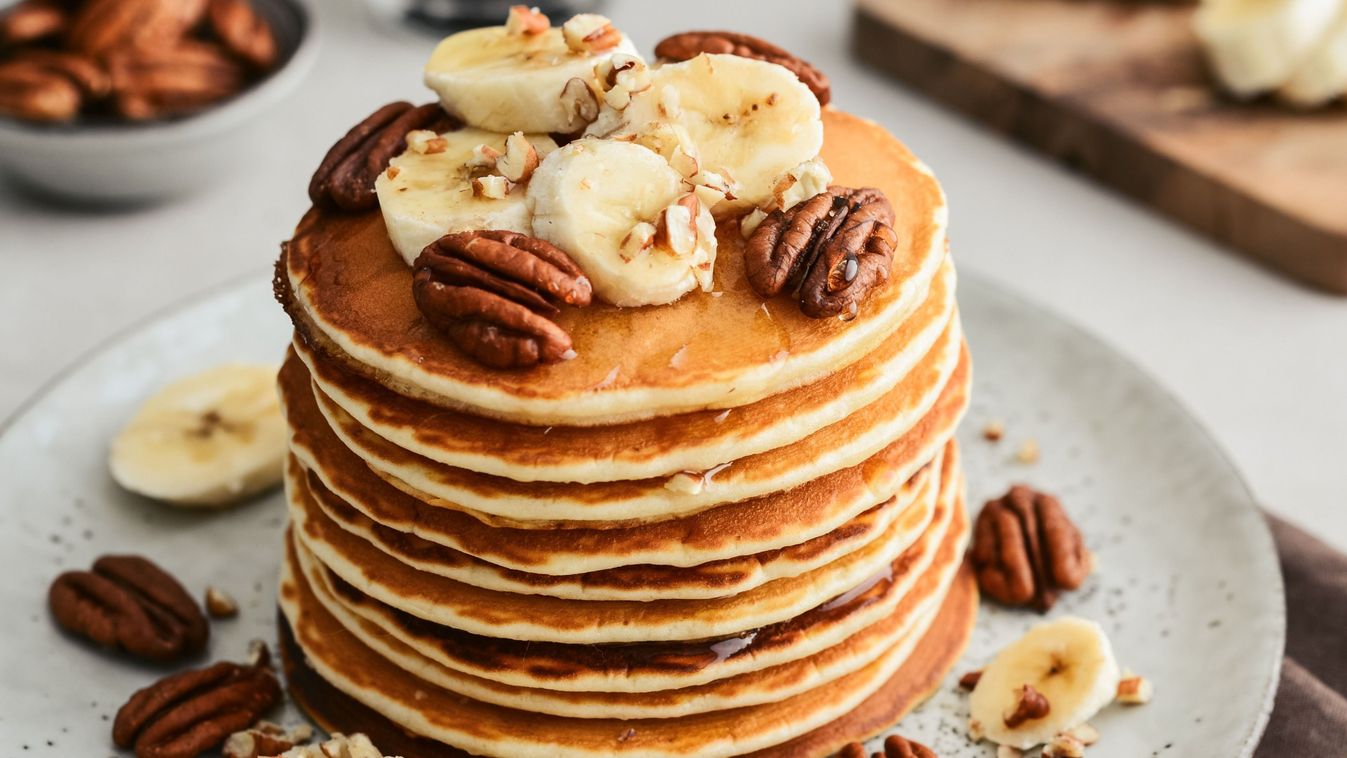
pixel 349 293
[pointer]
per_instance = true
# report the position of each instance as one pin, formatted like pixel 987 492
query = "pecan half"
pixel 188 713
pixel 104 26
pixel 830 250
pixel 688 45
pixel 32 21
pixel 173 80
pixel 345 178
pixel 495 294
pixel 894 747
pixel 1026 550
pixel 244 33
pixel 86 73
pixel 33 92
pixel 129 603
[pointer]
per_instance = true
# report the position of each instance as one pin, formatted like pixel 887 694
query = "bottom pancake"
pixel 906 688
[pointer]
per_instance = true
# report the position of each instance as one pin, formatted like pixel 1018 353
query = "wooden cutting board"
pixel 1118 89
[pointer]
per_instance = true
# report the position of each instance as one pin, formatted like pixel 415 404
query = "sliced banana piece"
pixel 746 120
pixel 1322 78
pixel 427 191
pixel 605 203
pixel 1068 661
pixel 1256 46
pixel 207 440
pixel 502 81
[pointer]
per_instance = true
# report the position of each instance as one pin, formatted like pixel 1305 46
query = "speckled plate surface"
pixel 1187 586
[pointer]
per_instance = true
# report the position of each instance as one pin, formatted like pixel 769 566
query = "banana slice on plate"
pixel 206 440
pixel 427 191
pixel 1068 662
pixel 1323 76
pixel 746 120
pixel 1256 46
pixel 502 80
pixel 625 216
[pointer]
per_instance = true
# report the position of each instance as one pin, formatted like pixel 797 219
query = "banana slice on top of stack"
pixel 1296 48
pixel 650 156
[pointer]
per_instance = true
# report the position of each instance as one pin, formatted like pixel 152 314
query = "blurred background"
pixel 1259 359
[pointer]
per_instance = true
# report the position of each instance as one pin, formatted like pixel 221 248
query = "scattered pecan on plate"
pixel 495 294
pixel 188 713
pixel 345 178
pixel 128 603
pixel 830 250
pixel 894 747
pixel 1026 550
pixel 688 45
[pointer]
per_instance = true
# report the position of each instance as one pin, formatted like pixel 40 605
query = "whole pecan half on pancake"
pixel 188 713
pixel 830 250
pixel 1026 550
pixel 128 602
pixel 688 45
pixel 345 178
pixel 495 293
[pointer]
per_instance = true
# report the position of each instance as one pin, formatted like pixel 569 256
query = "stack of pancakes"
pixel 722 529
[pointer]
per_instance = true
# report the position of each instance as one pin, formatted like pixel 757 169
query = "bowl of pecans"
pixel 131 101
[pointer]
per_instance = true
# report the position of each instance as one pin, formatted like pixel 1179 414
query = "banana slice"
pixel 206 440
pixel 505 81
pixel 427 191
pixel 1068 661
pixel 746 120
pixel 1256 46
pixel 1323 76
pixel 622 213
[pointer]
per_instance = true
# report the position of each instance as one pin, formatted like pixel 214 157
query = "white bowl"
pixel 127 163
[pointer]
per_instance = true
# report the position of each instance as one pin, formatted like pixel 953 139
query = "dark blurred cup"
pixel 441 16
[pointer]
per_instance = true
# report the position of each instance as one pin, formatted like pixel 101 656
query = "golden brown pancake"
pixel 709 580
pixel 648 667
pixel 336 664
pixel 937 652
pixel 349 294
pixel 452 603
pixel 902 627
pixel 834 448
pixel 729 531
pixel 695 441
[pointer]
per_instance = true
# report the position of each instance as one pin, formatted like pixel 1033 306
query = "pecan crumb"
pixel 970 680
pixel 1134 689
pixel 1029 705
pixel 1028 452
pixel 993 431
pixel 220 604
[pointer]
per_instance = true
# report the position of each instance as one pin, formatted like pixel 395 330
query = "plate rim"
pixel 977 280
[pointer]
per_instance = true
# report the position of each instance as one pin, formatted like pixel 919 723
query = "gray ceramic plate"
pixel 1187 586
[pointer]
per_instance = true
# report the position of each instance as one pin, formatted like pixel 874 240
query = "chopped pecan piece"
pixel 688 45
pixel 104 26
pixel 1029 705
pixel 264 739
pixel 1026 550
pixel 188 713
pixel 172 80
pixel 243 32
pixel 345 178
pixel 129 603
pixel 829 250
pixel 894 747
pixel 495 294
pixel 32 21
pixel 35 93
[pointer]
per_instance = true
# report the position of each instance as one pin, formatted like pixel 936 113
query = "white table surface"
pixel 1260 361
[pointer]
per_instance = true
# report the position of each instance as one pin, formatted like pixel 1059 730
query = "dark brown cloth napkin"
pixel 1310 718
